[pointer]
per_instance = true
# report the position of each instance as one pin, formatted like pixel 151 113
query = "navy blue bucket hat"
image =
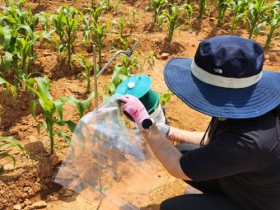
pixel 225 79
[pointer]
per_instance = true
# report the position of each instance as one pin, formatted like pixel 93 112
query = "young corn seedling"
pixel 7 143
pixel 46 20
pixel 202 7
pixel 49 108
pixel 120 26
pixel 222 7
pixel 25 55
pixel 8 87
pixel 87 65
pixel 175 16
pixel 109 7
pixel 92 15
pixel 118 76
pixel 256 16
pixel 8 40
pixel 273 20
pixel 81 106
pixel 66 22
pixel 17 40
pixel 132 20
pixel 165 97
pixel 100 32
pixel 238 11
pixel 156 6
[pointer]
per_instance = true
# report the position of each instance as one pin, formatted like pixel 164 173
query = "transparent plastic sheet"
pixel 109 162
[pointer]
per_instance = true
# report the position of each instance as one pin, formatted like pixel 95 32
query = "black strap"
pixel 211 125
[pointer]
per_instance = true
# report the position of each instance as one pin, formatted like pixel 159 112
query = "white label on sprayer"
pixel 130 85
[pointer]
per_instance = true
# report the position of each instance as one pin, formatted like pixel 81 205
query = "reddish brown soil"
pixel 32 179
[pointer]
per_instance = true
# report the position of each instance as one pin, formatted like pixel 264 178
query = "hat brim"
pixel 211 100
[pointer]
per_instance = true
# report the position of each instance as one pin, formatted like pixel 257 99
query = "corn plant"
pixel 202 7
pixel 118 76
pixel 165 97
pixel 132 20
pixel 256 16
pixel 95 32
pixel 49 108
pixel 100 32
pixel 152 59
pixel 7 143
pixel 81 106
pixel 8 40
pixel 273 20
pixel 175 16
pixel 109 7
pixel 66 23
pixel 87 65
pixel 238 9
pixel 25 55
pixel 8 87
pixel 91 15
pixel 156 6
pixel 17 39
pixel 120 26
pixel 46 20
pixel 222 7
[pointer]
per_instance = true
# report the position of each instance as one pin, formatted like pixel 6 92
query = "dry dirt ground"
pixel 32 179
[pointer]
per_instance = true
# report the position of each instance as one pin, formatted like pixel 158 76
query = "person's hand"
pixel 134 107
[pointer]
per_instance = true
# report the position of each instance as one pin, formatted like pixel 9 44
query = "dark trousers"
pixel 211 199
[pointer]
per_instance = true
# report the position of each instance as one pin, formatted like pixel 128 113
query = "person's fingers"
pixel 124 98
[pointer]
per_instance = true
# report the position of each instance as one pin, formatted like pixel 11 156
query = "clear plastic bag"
pixel 107 161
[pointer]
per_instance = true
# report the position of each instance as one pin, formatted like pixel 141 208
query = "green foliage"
pixel 165 97
pixel 100 33
pixel 82 106
pixel 95 32
pixel 8 87
pixel 6 143
pixel 66 23
pixel 18 37
pixel 156 6
pixel 202 7
pixel 119 75
pixel 256 16
pixel 120 26
pixel 238 9
pixel 49 108
pixel 87 65
pixel 175 17
pixel 92 15
pixel 52 110
pixel 222 7
pixel 273 21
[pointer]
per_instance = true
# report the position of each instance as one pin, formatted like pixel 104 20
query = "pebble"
pixel 55 159
pixel 8 166
pixel 27 202
pixel 26 189
pixel 37 205
pixel 17 207
pixel 65 192
pixel 164 56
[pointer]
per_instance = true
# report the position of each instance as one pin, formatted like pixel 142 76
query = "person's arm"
pixel 182 136
pixel 165 151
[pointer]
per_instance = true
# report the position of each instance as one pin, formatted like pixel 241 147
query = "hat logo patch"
pixel 220 71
